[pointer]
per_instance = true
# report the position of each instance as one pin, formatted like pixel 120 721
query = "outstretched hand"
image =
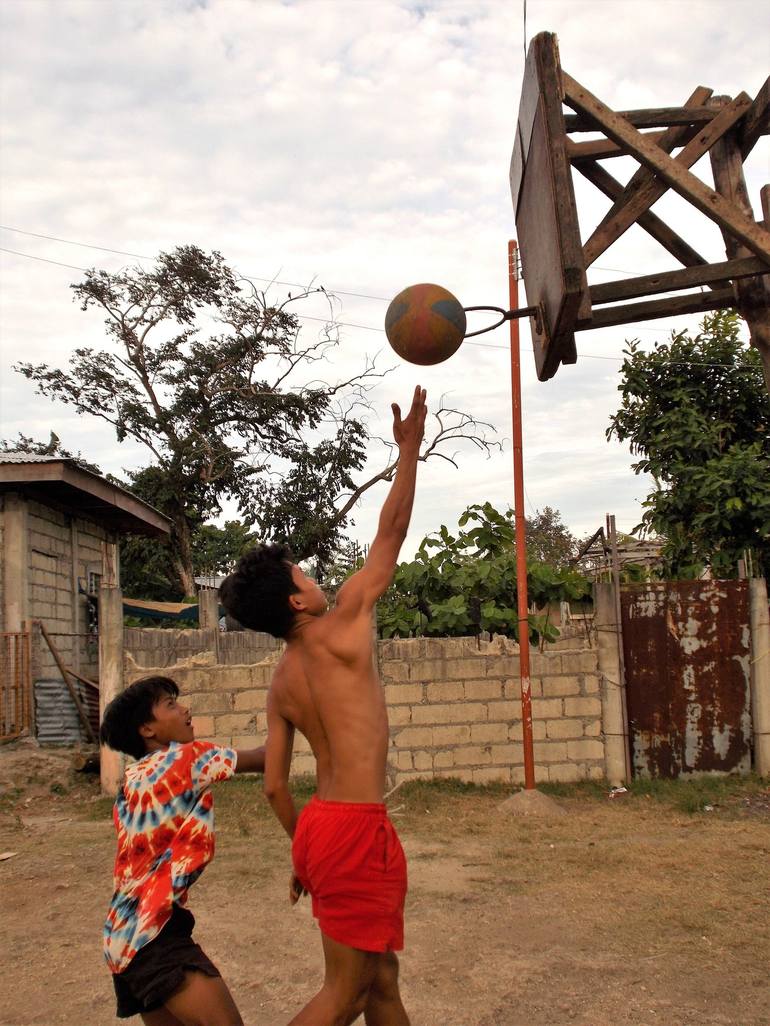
pixel 409 432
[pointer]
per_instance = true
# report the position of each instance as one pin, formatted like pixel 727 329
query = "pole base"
pixel 532 803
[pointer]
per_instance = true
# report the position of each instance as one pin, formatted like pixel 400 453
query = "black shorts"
pixel 157 970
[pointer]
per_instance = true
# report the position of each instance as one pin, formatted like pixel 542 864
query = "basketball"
pixel 425 324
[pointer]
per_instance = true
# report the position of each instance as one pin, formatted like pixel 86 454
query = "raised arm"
pixel 280 743
pixel 250 760
pixel 362 590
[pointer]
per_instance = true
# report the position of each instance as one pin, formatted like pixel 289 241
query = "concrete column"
pixel 613 721
pixel 760 675
pixel 208 608
pixel 110 675
pixel 15 563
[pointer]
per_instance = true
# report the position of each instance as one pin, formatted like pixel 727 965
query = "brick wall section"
pixel 454 708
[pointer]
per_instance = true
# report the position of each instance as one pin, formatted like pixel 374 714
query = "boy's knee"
pixel 386 976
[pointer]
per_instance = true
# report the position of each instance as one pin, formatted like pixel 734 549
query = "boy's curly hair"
pixel 256 593
pixel 130 710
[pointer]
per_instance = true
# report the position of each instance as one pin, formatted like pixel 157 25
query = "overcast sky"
pixel 362 144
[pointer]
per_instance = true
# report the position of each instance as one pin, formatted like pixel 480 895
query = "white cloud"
pixel 365 144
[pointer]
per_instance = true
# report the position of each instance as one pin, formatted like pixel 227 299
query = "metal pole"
pixel 521 541
pixel 613 538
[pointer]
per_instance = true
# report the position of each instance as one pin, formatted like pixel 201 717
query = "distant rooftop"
pixel 28 457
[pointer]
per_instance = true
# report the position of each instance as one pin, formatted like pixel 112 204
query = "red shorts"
pixel 348 856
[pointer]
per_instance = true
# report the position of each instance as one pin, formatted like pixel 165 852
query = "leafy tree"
pixel 696 412
pixel 549 540
pixel 203 372
pixel 466 583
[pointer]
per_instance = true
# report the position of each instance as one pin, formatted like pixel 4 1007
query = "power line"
pixel 352 324
pixel 257 277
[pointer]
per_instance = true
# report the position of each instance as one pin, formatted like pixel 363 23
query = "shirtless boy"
pixel 345 851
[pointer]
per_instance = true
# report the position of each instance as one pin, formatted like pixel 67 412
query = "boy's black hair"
pixel 256 593
pixel 130 710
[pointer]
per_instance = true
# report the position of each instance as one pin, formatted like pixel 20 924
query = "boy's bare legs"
pixel 383 1006
pixel 200 1001
pixel 348 979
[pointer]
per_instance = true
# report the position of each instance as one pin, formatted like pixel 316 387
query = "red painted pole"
pixel 521 541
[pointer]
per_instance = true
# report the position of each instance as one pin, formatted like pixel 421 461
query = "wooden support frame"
pixel 724 128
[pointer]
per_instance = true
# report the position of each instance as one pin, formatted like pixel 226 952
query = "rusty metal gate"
pixel 687 655
pixel 15 685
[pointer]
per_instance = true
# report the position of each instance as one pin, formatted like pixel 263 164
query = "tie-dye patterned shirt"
pixel 164 816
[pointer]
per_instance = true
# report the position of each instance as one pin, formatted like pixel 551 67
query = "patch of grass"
pixel 585 789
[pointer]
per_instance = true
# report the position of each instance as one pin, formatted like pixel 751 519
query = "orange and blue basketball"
pixel 425 324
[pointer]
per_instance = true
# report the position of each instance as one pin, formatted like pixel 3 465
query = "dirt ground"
pixel 648 908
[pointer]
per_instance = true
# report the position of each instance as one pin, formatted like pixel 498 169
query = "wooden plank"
pixel 672 307
pixel 671 281
pixel 714 206
pixel 756 122
pixel 651 223
pixel 651 117
pixel 644 188
pixel 602 149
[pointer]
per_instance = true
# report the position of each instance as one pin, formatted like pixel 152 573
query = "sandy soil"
pixel 627 912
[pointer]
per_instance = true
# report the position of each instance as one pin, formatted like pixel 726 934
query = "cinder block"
pixel 586 661
pixel 464 669
pixel 596 772
pixel 414 737
pixel 587 748
pixel 590 684
pixel 563 728
pixel 442 760
pixel 452 734
pixel 212 702
pixel 445 691
pixel 554 687
pixel 403 694
pixel 428 670
pixel 492 775
pixel 507 755
pixel 582 707
pixel 542 664
pixel 399 715
pixel 566 772
pixel 471 755
pixel 249 701
pixel 546 708
pixel 246 741
pixel 459 712
pixel 550 751
pixel 484 733
pixel 593 729
pixel 394 669
pixel 422 760
pixel 261 675
pixel 477 690
pixel 505 710
pixel 404 760
pixel 235 723
pixel 302 765
pixel 204 727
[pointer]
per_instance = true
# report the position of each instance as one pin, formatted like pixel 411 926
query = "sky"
pixel 360 144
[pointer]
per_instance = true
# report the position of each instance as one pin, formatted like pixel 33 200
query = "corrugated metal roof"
pixel 29 457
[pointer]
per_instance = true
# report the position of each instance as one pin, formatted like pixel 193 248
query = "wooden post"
pixel 110 660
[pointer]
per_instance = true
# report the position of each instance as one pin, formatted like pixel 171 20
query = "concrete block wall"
pixel 454 708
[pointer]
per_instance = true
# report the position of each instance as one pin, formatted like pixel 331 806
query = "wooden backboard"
pixel 553 266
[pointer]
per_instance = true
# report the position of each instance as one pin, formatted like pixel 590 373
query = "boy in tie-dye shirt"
pixel 164 819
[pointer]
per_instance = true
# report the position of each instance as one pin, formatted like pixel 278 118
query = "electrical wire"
pixel 323 320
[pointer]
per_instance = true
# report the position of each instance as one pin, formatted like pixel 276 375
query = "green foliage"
pixel 466 583
pixel 198 372
pixel 696 412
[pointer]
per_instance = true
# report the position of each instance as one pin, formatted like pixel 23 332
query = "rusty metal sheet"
pixel 687 657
